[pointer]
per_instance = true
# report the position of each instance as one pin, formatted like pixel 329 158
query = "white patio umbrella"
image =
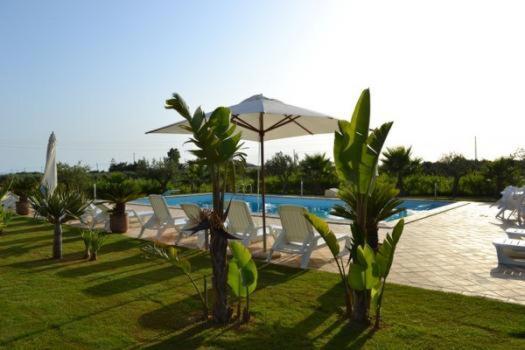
pixel 49 180
pixel 263 119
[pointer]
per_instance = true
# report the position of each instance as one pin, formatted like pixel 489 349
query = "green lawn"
pixel 125 301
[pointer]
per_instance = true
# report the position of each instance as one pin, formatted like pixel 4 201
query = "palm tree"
pixel 317 168
pixel 398 162
pixel 218 146
pixel 58 208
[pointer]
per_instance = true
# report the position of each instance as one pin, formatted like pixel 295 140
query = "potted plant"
pixel 118 190
pixel 23 187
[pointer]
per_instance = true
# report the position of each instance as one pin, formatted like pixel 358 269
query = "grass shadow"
pixel 40 265
pixel 139 280
pixel 103 266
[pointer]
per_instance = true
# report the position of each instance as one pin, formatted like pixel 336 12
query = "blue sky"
pixel 97 72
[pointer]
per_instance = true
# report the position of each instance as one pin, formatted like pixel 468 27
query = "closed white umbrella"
pixel 49 180
pixel 264 119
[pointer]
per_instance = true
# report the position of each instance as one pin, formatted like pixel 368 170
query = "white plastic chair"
pixel 297 235
pixel 99 213
pixel 512 199
pixel 9 201
pixel 193 213
pixel 161 220
pixel 240 223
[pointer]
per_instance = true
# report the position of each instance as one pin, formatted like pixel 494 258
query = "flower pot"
pixel 22 207
pixel 118 223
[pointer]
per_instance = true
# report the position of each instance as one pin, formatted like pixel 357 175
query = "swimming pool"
pixel 319 206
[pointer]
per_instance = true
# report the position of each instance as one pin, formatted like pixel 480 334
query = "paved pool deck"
pixel 451 251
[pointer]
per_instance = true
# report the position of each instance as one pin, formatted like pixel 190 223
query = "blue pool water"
pixel 319 206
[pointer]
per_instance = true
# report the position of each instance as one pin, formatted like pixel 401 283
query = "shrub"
pixel 93 241
pixel 423 185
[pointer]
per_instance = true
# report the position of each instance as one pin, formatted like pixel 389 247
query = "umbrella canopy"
pixel 263 119
pixel 279 120
pixel 49 180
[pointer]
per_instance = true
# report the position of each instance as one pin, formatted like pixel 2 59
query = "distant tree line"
pixel 452 175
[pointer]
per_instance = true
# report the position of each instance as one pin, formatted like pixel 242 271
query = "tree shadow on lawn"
pixel 139 280
pixel 5 239
pixel 24 248
pixel 260 333
pixel 103 266
pixel 56 326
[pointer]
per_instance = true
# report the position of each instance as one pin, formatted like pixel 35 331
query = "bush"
pixel 423 185
pixel 475 184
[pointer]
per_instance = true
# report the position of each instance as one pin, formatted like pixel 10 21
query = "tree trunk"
pixel 57 241
pixel 93 256
pixel 360 298
pixel 87 255
pixel 455 186
pixel 373 238
pixel 221 313
pixel 400 185
pixel 360 310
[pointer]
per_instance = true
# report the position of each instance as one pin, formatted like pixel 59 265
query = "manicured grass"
pixel 125 301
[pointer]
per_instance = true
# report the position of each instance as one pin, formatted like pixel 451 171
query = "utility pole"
pixel 133 157
pixel 475 148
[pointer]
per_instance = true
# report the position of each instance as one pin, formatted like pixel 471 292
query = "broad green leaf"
pixel 177 103
pixel 356 277
pixel 324 230
pixel 240 253
pixel 385 255
pixel 365 273
pixel 220 119
pixel 242 271
pixel 375 294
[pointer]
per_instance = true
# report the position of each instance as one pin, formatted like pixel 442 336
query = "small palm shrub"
pixel 382 204
pixel 93 241
pixel 58 208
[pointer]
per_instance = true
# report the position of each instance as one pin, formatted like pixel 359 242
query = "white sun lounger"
pixel 515 232
pixel 161 220
pixel 510 251
pixel 297 235
pixel 240 223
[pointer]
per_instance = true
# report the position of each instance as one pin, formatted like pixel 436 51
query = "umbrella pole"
pixel 263 187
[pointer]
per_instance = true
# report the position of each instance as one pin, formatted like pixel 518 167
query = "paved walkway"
pixel 451 251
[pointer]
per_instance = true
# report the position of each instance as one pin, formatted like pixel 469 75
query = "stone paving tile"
pixel 451 251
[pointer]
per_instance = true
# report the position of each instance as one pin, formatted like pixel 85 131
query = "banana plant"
pixel 356 156
pixel 218 145
pixel 242 277
pixel 368 269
